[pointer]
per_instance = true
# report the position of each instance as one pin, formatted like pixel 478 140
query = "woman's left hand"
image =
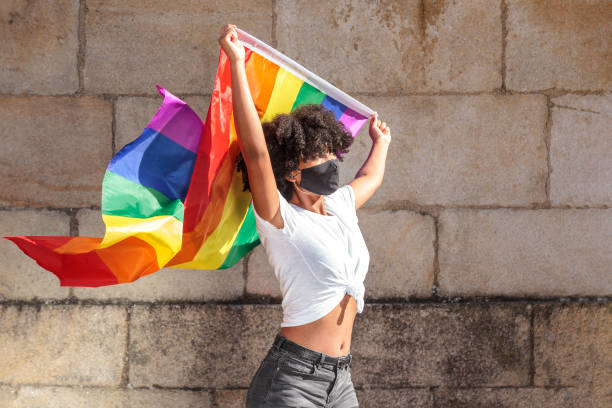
pixel 228 40
pixel 379 131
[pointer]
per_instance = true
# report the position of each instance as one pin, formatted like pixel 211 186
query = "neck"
pixel 307 200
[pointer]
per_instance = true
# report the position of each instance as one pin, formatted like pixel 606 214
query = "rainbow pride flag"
pixel 173 197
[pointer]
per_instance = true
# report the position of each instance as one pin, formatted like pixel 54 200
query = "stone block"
pixel 174 284
pixel 39 47
pixel 401 250
pixel 221 346
pixel 56 150
pixel 458 150
pixel 133 114
pixel 395 46
pixel 94 397
pixel 401 257
pixel 20 276
pixel 260 278
pixel 461 45
pixel 158 398
pixel 581 142
pixel 167 284
pixel 425 345
pixel 394 398
pixel 90 223
pixel 573 347
pixel 539 253
pixel 235 398
pixel 8 396
pixel 62 344
pixel 561 44
pixel 210 346
pixel 131 45
pixel 512 397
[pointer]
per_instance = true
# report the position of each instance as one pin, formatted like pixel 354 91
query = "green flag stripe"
pixel 125 198
pixel 308 94
pixel 247 239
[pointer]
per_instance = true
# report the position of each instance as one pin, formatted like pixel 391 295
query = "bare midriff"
pixel 331 334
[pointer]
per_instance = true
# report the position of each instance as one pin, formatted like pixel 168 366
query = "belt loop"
pixel 280 342
pixel 321 359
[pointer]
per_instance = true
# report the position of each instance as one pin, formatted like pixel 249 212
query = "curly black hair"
pixel 309 132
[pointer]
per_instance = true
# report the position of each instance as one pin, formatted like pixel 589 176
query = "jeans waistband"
pixel 281 342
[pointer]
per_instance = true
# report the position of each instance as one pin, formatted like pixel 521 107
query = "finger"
pixel 232 35
pixel 225 28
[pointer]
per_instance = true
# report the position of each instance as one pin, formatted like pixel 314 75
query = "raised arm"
pixel 250 133
pixel 370 176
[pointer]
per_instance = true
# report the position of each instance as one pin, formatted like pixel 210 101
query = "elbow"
pixel 373 180
pixel 378 182
pixel 255 155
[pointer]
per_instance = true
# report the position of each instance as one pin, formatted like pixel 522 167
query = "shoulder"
pixel 344 195
pixel 266 228
pixel 343 200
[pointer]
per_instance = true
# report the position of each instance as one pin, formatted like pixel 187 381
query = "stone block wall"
pixel 490 239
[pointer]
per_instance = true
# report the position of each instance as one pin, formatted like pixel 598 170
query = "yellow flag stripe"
pixel 286 89
pixel 164 233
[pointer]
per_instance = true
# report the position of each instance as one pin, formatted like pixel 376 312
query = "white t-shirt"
pixel 316 258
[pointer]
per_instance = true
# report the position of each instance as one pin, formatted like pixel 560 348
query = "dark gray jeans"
pixel 295 376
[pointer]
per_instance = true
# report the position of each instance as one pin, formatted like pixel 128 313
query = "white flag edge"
pixel 299 71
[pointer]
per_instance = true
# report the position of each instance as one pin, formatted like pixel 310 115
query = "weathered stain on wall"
pixel 490 238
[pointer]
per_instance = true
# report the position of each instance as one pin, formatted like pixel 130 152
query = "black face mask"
pixel 321 179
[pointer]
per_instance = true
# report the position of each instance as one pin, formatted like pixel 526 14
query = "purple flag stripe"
pixel 177 121
pixel 352 120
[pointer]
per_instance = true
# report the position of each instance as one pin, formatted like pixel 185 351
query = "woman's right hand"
pixel 230 43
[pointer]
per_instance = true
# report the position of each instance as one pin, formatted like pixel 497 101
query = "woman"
pixel 308 227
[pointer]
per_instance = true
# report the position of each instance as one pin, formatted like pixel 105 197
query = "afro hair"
pixel 307 133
